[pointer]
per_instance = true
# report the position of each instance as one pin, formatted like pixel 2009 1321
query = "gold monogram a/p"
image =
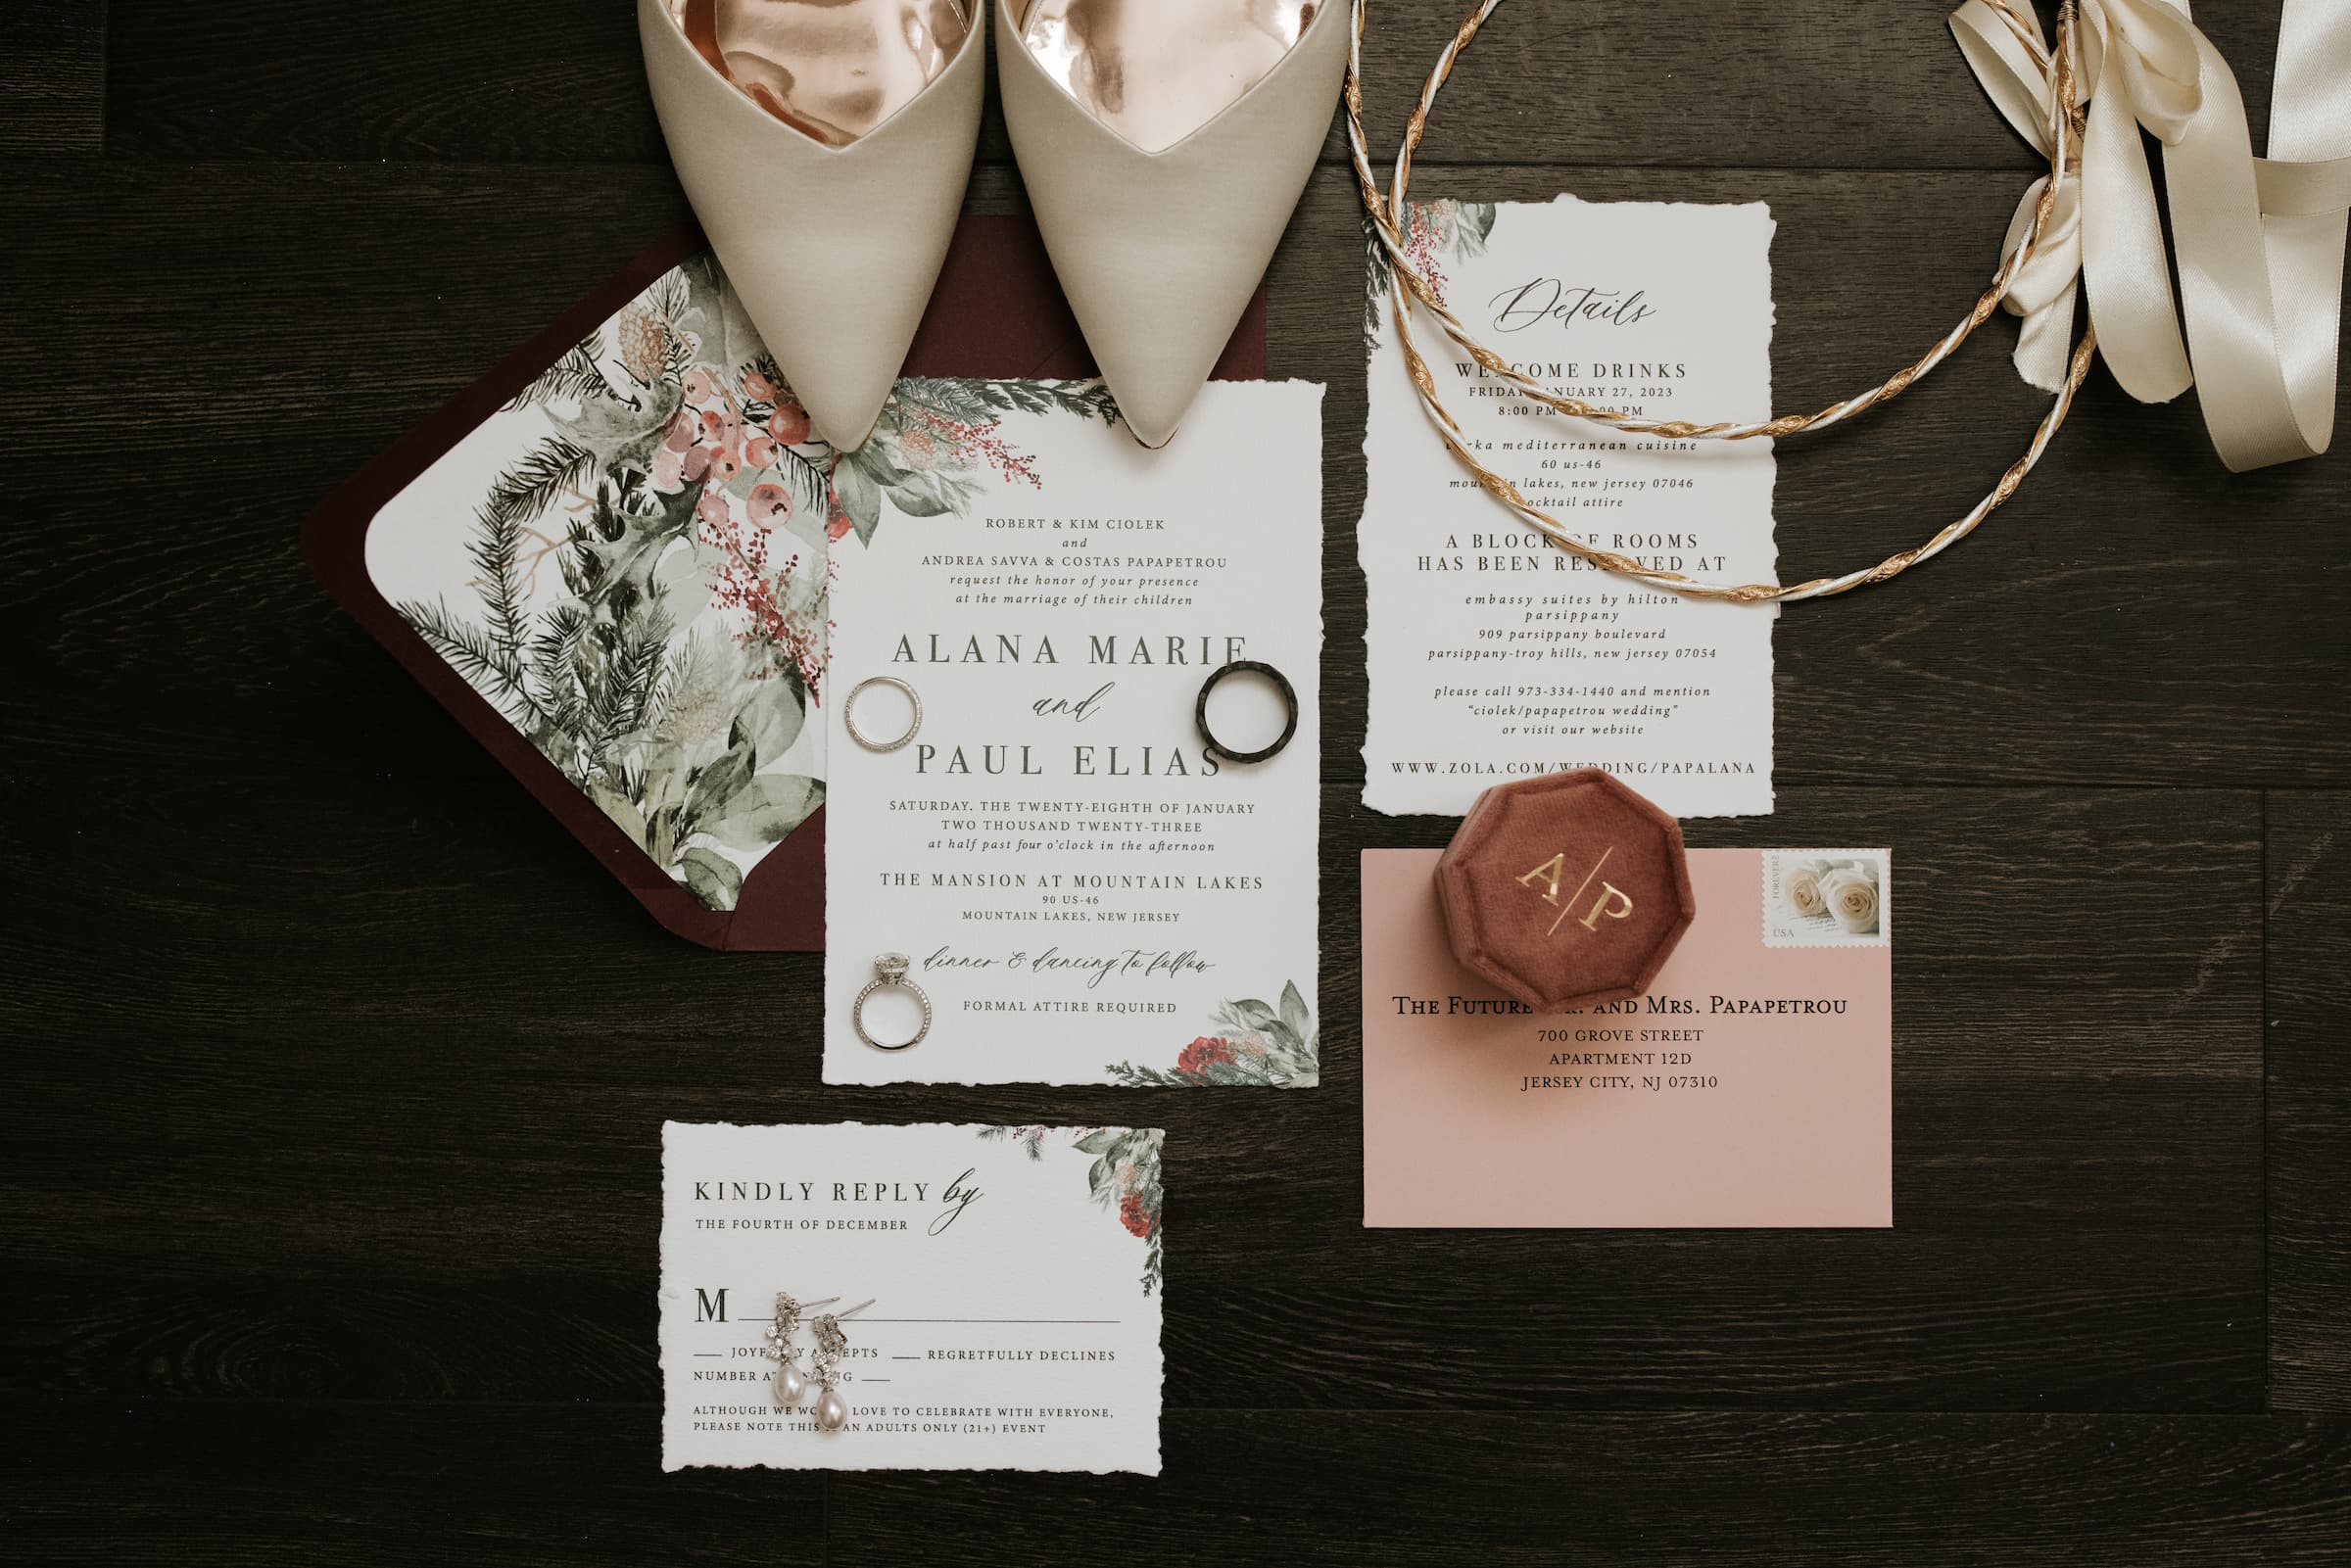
pixel 1613 903
pixel 1565 891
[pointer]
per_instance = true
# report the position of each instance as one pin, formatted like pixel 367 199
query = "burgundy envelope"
pixel 997 313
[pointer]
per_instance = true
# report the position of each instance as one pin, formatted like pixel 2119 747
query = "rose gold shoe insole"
pixel 832 69
pixel 1156 70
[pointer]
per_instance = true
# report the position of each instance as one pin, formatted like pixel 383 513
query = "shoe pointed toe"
pixel 1159 253
pixel 833 251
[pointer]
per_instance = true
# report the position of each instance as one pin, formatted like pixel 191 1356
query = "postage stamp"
pixel 1828 898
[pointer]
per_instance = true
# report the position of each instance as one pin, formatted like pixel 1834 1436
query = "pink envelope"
pixel 1752 1086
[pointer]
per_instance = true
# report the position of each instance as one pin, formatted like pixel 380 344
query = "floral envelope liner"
pixel 642 588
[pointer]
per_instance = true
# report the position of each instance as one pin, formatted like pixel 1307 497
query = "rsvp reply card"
pixel 1752 1086
pixel 1014 1276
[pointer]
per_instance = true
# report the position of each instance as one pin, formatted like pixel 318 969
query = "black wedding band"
pixel 1289 696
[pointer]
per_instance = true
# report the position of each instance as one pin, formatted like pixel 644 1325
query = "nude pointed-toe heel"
pixel 1163 175
pixel 831 231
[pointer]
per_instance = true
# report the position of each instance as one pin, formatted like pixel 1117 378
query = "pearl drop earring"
pixel 831 1410
pixel 790 1387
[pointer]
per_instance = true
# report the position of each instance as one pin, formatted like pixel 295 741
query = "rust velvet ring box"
pixel 1565 891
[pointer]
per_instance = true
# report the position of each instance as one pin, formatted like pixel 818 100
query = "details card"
pixel 1082 889
pixel 1495 656
pixel 960 1362
pixel 1752 1086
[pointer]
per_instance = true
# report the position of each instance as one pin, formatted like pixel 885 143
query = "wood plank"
pixel 1821 84
pixel 374 307
pixel 335 1114
pixel 52 78
pixel 2308 1005
pixel 191 1484
pixel 326 1484
pixel 1669 1491
pixel 1818 83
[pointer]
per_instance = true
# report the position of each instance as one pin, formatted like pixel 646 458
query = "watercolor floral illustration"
pixel 650 573
pixel 1840 894
pixel 1123 1178
pixel 1254 1045
pixel 1434 233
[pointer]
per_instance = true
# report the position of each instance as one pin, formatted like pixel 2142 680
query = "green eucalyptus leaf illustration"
pixel 769 722
pixel 712 787
pixel 917 500
pixel 664 780
pixel 764 811
pixel 620 808
pixel 1293 1012
pixel 711 877
pixel 860 499
pixel 876 464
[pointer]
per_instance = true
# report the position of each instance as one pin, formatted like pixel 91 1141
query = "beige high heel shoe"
pixel 825 148
pixel 1164 146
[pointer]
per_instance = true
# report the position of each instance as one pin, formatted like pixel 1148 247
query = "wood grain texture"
pixel 1822 84
pixel 326 1484
pixel 2309 1108
pixel 1656 1492
pixel 52 78
pixel 319 1482
pixel 336 1070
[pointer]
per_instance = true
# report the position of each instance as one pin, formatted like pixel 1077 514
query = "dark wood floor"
pixel 335 1069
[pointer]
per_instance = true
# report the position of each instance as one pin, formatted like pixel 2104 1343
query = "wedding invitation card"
pixel 955 1361
pixel 1752 1086
pixel 1083 890
pixel 1495 655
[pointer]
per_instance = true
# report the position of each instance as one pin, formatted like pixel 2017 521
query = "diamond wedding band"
pixel 848 713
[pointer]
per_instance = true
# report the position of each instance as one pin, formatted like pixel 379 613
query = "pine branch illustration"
pixel 1127 1075
pixel 634 677
pixel 555 656
pixel 973 403
pixel 1088 400
pixel 671 298
pixel 1376 279
pixel 495 548
pixel 669 678
pixel 474 654
pixel 811 481
pixel 577 375
pixel 556 644
pixel 525 492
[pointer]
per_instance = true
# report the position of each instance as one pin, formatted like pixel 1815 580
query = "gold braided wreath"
pixel 1412 287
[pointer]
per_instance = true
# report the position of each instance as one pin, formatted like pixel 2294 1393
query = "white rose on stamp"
pixel 1826 899
pixel 1802 896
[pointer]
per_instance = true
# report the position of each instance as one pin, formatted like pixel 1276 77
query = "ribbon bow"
pixel 2261 239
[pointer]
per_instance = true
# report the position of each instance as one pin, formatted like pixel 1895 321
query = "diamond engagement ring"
pixel 889 974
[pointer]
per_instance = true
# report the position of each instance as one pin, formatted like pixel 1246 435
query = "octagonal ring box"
pixel 1565 891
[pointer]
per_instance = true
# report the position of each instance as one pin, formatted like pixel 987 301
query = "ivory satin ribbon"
pixel 2261 241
